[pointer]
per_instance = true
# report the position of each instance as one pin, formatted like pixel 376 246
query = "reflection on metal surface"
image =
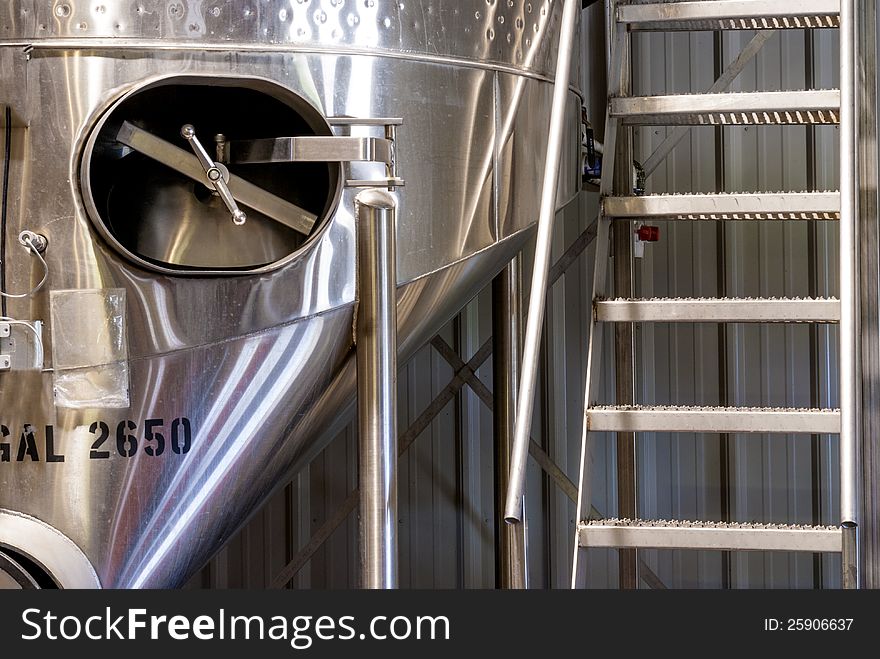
pixel 240 338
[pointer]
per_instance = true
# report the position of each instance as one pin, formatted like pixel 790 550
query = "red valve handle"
pixel 648 234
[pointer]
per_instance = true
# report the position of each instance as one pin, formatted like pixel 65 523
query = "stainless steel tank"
pixel 189 364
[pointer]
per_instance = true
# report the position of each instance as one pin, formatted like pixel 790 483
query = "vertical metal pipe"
pixel 460 464
pixel 848 328
pixel 510 568
pixel 534 325
pixel 377 386
pixel 850 391
pixel 850 555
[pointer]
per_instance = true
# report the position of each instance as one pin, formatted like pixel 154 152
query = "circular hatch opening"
pixel 159 217
pixel 18 572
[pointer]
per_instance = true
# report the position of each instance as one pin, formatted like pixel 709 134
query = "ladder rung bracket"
pixel 730 15
pixel 719 310
pixel 628 418
pixel 728 206
pixel 731 108
pixel 712 536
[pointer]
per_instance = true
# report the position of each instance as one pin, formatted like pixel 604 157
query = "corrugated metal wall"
pixel 446 478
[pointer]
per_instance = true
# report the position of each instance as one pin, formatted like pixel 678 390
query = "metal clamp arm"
pixel 170 155
pixel 323 148
pixel 214 174
pixel 310 149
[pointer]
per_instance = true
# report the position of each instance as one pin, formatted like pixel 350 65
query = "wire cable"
pixel 4 195
pixel 36 288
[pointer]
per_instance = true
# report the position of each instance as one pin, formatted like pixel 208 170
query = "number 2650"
pixel 152 440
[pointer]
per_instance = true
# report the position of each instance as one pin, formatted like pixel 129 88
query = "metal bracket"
pixel 5 360
pixel 390 183
pixel 312 148
pixel 30 353
pixel 391 180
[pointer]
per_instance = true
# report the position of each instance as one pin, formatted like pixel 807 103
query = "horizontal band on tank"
pixel 90 43
pixel 518 33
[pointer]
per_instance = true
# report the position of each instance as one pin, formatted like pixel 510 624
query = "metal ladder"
pixel 618 207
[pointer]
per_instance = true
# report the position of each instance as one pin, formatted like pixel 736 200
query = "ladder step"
pixel 731 108
pixel 719 310
pixel 639 418
pixel 720 536
pixel 730 15
pixel 728 206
